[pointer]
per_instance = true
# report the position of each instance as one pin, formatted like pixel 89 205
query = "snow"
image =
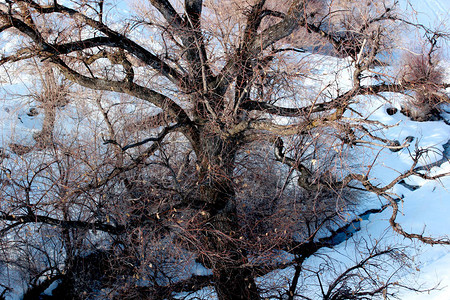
pixel 431 13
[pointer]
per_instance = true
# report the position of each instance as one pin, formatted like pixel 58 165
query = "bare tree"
pixel 185 108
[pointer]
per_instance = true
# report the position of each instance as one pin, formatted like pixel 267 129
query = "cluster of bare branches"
pixel 194 141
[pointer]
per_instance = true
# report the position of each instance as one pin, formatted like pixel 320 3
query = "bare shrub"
pixel 426 75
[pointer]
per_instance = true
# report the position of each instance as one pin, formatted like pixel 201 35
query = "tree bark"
pixel 231 279
pixel 235 283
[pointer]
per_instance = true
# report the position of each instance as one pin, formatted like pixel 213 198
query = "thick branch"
pixel 287 111
pixel 130 88
pixel 169 13
pixel 194 12
pixel 24 219
pixel 398 228
pixel 282 29
pixel 113 38
pixel 255 43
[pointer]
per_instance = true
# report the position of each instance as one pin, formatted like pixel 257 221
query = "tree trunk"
pixel 231 279
pixel 233 283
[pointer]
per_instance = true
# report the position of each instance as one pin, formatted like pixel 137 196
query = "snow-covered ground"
pixel 427 209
